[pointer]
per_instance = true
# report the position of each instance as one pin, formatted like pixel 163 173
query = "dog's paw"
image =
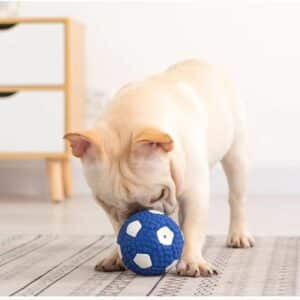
pixel 111 263
pixel 195 268
pixel 240 240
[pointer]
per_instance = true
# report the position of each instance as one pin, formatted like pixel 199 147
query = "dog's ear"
pixel 151 140
pixel 85 142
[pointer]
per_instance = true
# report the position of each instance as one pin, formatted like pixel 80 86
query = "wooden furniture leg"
pixel 55 177
pixel 67 177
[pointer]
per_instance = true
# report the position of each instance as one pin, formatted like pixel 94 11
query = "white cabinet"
pixel 41 92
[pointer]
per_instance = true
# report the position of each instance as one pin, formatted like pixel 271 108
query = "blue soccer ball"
pixel 150 243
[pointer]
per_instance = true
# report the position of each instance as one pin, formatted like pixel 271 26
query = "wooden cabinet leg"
pixel 67 177
pixel 55 176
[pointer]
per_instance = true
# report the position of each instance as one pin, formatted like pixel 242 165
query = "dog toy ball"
pixel 150 243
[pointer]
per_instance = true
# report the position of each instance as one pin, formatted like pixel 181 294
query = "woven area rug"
pixel 50 265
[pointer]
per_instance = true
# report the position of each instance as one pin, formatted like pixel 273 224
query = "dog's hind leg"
pixel 236 166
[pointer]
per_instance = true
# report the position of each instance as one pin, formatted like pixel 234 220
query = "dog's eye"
pixel 161 196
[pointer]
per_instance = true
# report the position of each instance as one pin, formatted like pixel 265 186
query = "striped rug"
pixel 52 265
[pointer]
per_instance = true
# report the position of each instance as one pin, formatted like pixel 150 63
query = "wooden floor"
pixel 51 249
pixel 267 216
pixel 63 265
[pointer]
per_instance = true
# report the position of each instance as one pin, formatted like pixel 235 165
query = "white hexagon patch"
pixel 165 236
pixel 133 228
pixel 119 250
pixel 142 260
pixel 171 265
pixel 156 212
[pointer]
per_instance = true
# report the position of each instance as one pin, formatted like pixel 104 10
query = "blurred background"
pixel 256 42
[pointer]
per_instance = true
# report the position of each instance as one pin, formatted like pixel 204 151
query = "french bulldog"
pixel 153 148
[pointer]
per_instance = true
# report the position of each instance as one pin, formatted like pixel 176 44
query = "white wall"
pixel 256 41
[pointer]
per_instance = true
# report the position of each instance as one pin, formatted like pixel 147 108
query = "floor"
pixel 266 215
pixel 51 249
pixel 63 265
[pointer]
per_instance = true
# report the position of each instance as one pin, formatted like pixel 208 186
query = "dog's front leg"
pixel 112 262
pixel 194 206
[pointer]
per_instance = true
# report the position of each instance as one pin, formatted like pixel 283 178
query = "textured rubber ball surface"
pixel 150 242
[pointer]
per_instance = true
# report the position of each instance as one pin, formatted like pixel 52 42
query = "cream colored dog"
pixel 154 147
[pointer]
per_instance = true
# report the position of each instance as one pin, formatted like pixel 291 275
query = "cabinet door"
pixel 32 54
pixel 32 122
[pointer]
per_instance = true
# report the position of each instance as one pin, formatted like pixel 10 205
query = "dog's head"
pixel 127 173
